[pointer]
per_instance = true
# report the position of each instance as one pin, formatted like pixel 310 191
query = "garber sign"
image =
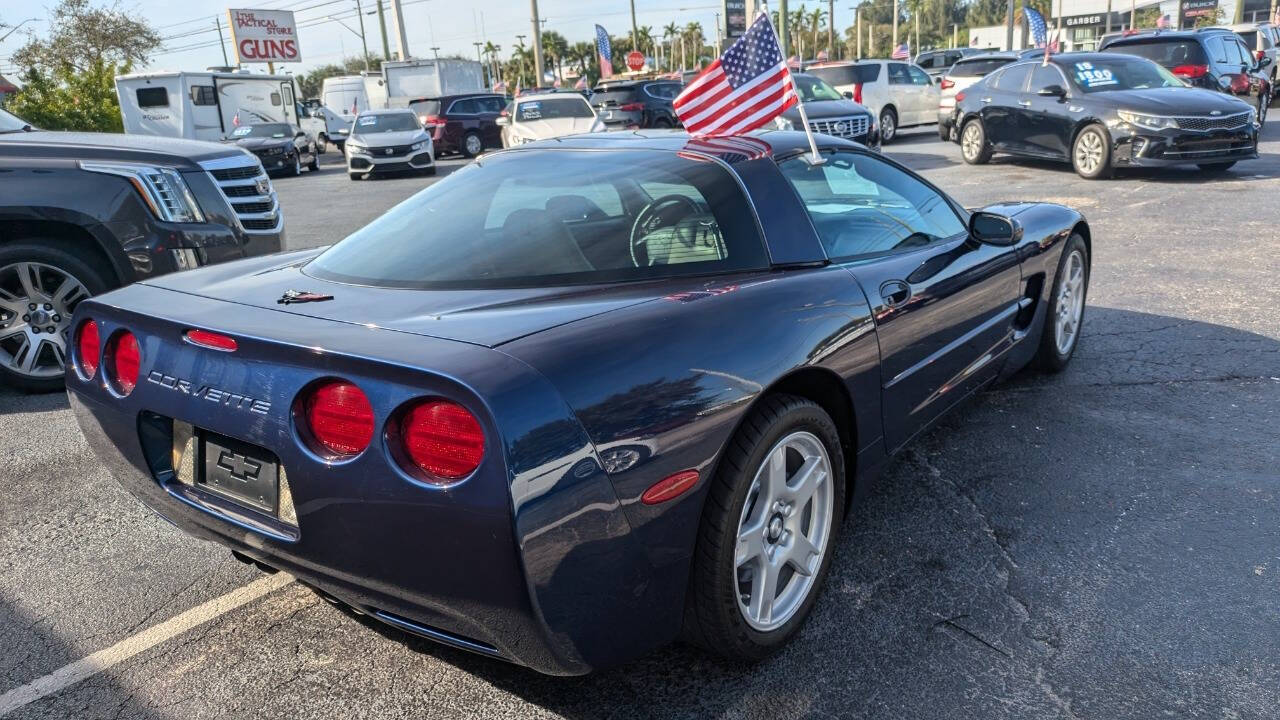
pixel 261 36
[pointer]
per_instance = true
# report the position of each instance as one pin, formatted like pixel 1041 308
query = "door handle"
pixel 1024 103
pixel 985 99
pixel 895 293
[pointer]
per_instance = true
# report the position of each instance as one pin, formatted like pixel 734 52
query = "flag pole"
pixel 804 117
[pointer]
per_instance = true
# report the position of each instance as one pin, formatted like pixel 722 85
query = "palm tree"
pixel 556 47
pixel 671 32
pixel 693 31
pixel 582 53
pixel 798 19
pixel 815 24
pixel 644 38
pixel 491 52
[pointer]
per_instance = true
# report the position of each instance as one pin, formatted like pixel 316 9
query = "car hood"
pixel 555 127
pixel 822 109
pixel 164 151
pixel 258 143
pixel 385 139
pixel 480 317
pixel 1173 101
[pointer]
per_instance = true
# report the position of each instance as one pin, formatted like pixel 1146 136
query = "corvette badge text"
pixel 212 394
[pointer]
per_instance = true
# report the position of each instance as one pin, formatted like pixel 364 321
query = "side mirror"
pixel 994 229
pixel 1263 62
pixel 1052 91
pixel 848 95
pixel 503 120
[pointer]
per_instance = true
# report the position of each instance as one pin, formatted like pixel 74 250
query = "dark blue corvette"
pixel 580 398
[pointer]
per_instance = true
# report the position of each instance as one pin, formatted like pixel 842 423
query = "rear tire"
pixel 314 165
pixel 1264 104
pixel 1091 153
pixel 973 143
pixel 322 144
pixel 888 125
pixel 661 124
pixel 472 144
pixel 53 256
pixel 944 132
pixel 740 494
pixel 1066 309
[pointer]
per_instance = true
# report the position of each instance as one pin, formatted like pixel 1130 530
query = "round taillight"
pixel 123 361
pixel 442 438
pixel 339 417
pixel 89 348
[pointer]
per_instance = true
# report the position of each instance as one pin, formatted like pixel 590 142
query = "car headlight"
pixel 418 146
pixel 163 189
pixel 1253 115
pixel 274 150
pixel 355 147
pixel 783 123
pixel 1151 122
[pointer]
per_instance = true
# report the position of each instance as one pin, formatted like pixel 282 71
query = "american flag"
pixel 605 51
pixel 499 87
pixel 1035 21
pixel 581 84
pixel 728 149
pixel 748 86
pixel 1162 21
pixel 902 52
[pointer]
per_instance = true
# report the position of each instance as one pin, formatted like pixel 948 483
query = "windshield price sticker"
pixel 371 120
pixel 1089 76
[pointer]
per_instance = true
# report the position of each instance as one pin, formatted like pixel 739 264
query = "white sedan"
pixel 547 115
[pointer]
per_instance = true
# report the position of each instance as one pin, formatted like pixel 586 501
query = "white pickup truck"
pixel 324 125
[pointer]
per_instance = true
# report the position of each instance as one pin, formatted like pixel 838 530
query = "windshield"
pixel 811 89
pixel 552 108
pixel 391 122
pixel 536 218
pixel 1117 74
pixel 1168 52
pixel 10 123
pixel 620 96
pixel 270 130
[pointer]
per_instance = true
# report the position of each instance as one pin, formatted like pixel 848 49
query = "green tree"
pixel 88 39
pixel 70 99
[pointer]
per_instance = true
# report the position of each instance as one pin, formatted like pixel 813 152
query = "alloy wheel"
pixel 1088 154
pixel 888 127
pixel 971 143
pixel 1070 304
pixel 783 531
pixel 474 145
pixel 36 303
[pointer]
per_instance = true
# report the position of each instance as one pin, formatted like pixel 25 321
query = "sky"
pixel 452 25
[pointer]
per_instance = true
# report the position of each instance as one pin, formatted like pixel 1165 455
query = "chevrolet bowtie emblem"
pixel 301 296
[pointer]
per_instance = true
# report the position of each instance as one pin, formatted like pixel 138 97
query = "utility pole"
pixel 1108 23
pixel 363 43
pixel 831 29
pixel 894 45
pixel 537 45
pixel 402 39
pixel 719 43
pixel 1008 36
pixel 521 46
pixel 435 52
pixel 479 59
pixel 915 16
pixel 221 43
pixel 783 33
pixel 1133 15
pixel 635 32
pixel 382 25
pixel 857 21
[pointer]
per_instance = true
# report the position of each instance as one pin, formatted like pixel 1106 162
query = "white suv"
pixel 899 93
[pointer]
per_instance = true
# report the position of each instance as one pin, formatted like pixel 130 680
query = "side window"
pixel 152 97
pixel 494 104
pixel 1216 49
pixel 1014 79
pixel 861 205
pixel 463 107
pixel 275 99
pixel 918 76
pixel 898 74
pixel 953 57
pixel 203 95
pixel 1044 76
pixel 1246 55
pixel 926 60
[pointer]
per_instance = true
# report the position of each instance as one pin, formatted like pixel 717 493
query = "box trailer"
pixel 405 80
pixel 203 105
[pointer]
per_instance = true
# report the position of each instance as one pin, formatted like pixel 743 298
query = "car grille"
pixel 242 178
pixel 395 151
pixel 1205 123
pixel 844 127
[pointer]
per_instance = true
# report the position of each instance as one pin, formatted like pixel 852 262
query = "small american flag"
pixel 745 88
pixel 902 52
pixel 1162 21
pixel 499 87
pixel 605 51
pixel 728 149
pixel 581 84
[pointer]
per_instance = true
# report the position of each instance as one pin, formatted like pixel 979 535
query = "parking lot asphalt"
pixel 1103 543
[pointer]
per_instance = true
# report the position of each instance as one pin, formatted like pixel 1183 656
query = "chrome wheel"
pixel 1070 305
pixel 971 143
pixel 1089 151
pixel 783 531
pixel 888 126
pixel 473 144
pixel 36 302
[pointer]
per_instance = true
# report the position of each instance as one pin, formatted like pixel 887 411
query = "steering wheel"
pixel 665 211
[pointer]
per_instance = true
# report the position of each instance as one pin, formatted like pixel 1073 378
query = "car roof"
pixel 548 96
pixel 778 142
pixel 386 111
pixel 1073 57
pixel 1171 34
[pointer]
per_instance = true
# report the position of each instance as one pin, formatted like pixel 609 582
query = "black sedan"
pixel 282 148
pixel 583 397
pixel 830 113
pixel 1100 111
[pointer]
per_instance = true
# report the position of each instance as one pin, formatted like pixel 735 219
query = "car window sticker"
pixel 1089 76
pixel 371 120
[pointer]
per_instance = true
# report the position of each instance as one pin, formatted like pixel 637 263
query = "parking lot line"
pixel 104 659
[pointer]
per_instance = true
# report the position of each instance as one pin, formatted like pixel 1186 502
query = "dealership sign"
pixel 260 36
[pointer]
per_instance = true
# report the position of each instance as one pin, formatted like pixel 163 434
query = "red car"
pixel 462 123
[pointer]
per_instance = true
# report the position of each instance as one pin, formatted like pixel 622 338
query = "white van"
pixel 324 125
pixel 350 95
pixel 203 105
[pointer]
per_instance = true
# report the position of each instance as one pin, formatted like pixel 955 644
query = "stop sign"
pixel 635 59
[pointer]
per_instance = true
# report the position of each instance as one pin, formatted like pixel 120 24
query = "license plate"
pixel 243 473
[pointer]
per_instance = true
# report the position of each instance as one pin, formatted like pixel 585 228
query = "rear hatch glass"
pixel 1169 52
pixel 611 98
pixel 847 74
pixel 979 67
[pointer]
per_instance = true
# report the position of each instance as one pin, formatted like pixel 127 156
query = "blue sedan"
pixel 580 398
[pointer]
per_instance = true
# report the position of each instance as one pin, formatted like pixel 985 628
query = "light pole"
pixel 478 58
pixel 382 25
pixel 363 43
pixel 435 52
pixel 14 29
pixel 831 29
pixel 894 45
pixel 353 32
pixel 537 44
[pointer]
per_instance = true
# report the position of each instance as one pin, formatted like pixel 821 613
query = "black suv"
pixel 631 104
pixel 82 213
pixel 1211 58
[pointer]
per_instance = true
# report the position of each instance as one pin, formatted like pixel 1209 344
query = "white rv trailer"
pixel 203 105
